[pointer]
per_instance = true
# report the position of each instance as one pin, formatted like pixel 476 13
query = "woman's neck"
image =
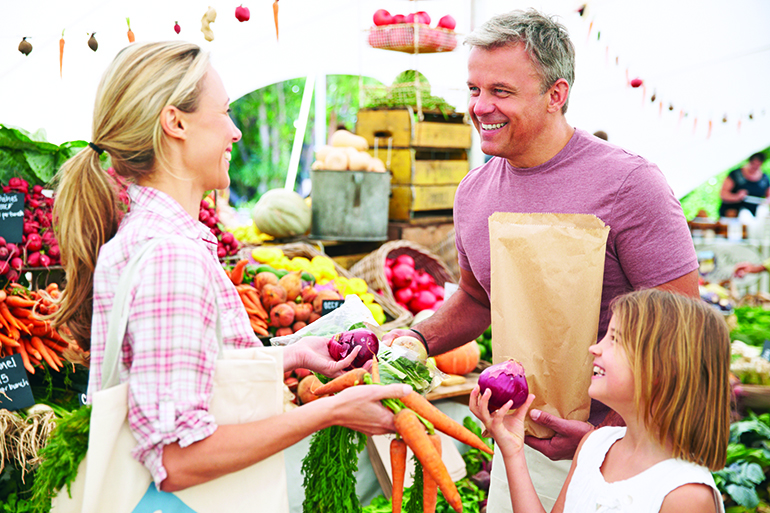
pixel 181 190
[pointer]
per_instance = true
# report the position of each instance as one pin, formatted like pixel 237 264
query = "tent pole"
pixel 320 111
pixel 299 134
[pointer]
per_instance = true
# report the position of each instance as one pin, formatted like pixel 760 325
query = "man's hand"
pixel 392 335
pixel 563 444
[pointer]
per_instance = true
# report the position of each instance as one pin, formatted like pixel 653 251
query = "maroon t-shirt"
pixel 649 242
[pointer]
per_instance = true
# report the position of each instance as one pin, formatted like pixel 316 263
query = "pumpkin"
pixel 461 360
pixel 282 213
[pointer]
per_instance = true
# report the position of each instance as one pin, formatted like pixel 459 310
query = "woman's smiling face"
pixel 211 135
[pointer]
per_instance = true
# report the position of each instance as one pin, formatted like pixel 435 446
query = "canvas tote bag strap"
pixel 118 320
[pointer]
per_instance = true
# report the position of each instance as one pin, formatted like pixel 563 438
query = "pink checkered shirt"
pixel 170 348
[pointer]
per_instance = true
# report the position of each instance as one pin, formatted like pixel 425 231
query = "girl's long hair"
pixel 140 82
pixel 679 350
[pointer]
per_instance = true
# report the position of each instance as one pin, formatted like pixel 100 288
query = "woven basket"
pixel 447 251
pixel 401 38
pixel 396 317
pixel 372 267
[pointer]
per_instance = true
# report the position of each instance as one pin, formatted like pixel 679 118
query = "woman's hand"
pixel 744 268
pixel 359 408
pixel 313 353
pixel 507 430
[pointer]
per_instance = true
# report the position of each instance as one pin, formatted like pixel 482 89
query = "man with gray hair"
pixel 520 73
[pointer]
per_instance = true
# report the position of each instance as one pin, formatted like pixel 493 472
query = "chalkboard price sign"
pixel 12 216
pixel 329 305
pixel 15 392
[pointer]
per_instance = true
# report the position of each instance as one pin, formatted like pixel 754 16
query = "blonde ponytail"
pixel 140 82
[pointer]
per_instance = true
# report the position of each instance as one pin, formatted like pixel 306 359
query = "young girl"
pixel 664 367
pixel 162 115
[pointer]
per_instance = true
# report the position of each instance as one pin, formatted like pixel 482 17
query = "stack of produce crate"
pixel 427 154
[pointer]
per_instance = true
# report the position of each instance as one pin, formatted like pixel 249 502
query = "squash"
pixel 282 213
pixel 376 165
pixel 343 138
pixel 336 159
pixel 461 360
pixel 359 160
pixel 322 152
pixel 318 164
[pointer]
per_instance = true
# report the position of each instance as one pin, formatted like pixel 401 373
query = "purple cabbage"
pixel 342 344
pixel 507 382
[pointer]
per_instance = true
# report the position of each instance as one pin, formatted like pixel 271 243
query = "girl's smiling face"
pixel 613 379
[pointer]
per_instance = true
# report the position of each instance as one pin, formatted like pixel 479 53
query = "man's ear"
pixel 173 122
pixel 557 95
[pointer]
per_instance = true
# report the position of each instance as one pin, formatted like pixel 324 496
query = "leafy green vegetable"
pixel 475 459
pixel 60 458
pixel 395 368
pixel 329 470
pixel 752 325
pixel 31 157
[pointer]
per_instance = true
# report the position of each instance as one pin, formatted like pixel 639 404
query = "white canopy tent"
pixel 705 62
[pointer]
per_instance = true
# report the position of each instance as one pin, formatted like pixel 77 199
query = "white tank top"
pixel 642 493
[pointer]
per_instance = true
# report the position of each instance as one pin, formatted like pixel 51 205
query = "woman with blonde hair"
pixel 664 367
pixel 162 116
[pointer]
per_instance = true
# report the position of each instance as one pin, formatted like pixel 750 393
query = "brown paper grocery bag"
pixel 546 282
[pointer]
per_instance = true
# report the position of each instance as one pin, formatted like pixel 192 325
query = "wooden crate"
pixel 424 167
pixel 397 128
pixel 409 202
pixel 428 234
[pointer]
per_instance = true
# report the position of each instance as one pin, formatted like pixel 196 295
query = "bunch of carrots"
pixel 258 316
pixel 416 420
pixel 24 332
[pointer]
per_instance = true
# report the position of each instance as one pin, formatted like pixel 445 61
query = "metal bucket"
pixel 350 205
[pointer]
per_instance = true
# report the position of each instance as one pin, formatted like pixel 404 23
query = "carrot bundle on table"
pixel 24 332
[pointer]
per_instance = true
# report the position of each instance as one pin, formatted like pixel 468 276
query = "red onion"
pixel 507 382
pixel 342 344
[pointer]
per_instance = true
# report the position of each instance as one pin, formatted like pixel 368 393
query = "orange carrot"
pixel 236 275
pixel 51 344
pixel 130 32
pixel 44 352
pixel 12 321
pixel 3 295
pixel 398 468
pixel 413 432
pixel 33 353
pixel 51 287
pixel 8 341
pixel 275 18
pixel 429 486
pixel 61 52
pixel 19 302
pixel 442 422
pixel 25 358
pixel 349 379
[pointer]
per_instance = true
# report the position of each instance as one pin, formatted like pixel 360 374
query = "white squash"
pixel 321 153
pixel 376 165
pixel 359 161
pixel 337 159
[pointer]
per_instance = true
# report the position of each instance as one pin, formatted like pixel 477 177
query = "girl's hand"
pixel 507 430
pixel 313 353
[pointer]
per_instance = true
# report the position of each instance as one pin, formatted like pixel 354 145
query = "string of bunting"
pixel 242 14
pixel 663 107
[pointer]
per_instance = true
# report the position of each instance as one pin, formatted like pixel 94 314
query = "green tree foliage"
pixel 267 118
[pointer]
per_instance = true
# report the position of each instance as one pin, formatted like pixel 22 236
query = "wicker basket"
pixel 401 38
pixel 396 317
pixel 371 267
pixel 447 251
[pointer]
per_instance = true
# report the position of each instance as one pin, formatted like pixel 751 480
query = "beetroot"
pixel 405 259
pixel 404 295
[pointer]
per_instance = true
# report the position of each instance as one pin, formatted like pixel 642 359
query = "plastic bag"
pixel 398 364
pixel 352 312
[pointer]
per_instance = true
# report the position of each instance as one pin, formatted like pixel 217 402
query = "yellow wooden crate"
pixel 410 166
pixel 409 201
pixel 397 128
